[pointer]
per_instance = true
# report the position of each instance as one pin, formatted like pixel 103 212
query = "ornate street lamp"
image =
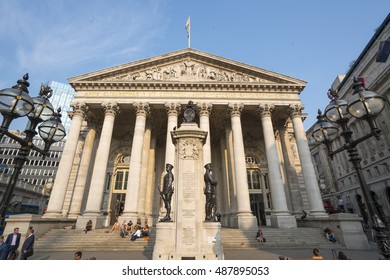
pixel 15 102
pixel 365 105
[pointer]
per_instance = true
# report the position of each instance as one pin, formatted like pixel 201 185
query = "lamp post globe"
pixel 336 111
pixel 52 130
pixel 14 103
pixel 364 103
pixel 324 131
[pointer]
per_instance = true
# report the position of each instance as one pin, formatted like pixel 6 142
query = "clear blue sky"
pixel 305 39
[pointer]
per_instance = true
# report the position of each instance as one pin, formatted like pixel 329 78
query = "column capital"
pixel 204 109
pixel 173 108
pixel 235 109
pixel 265 110
pixel 79 109
pixel 110 108
pixel 143 108
pixel 295 110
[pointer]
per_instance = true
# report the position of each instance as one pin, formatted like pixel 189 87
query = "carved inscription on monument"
pixel 189 185
pixel 189 195
pixel 188 235
pixel 188 213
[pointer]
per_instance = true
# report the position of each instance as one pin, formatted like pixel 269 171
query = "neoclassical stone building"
pixel 120 140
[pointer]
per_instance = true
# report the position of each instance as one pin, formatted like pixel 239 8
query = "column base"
pixel 74 215
pixel 283 221
pixel 246 221
pixel 51 215
pixel 97 221
pixel 127 217
pixel 318 214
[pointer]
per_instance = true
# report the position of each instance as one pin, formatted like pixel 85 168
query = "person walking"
pixel 13 240
pixel 28 245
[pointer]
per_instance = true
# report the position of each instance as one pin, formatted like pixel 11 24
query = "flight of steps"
pixel 95 240
pixel 277 238
pixel 103 240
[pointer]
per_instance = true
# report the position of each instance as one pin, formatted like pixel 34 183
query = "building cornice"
pixel 194 86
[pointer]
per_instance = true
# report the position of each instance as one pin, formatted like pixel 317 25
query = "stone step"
pixel 96 240
pixel 103 240
pixel 275 237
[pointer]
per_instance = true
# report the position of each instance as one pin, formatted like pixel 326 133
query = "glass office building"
pixel 63 95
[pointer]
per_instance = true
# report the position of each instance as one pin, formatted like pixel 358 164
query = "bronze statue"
pixel 167 192
pixel 209 191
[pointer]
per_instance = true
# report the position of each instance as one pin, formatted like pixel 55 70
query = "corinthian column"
pixel 280 216
pixel 82 175
pixel 204 110
pixel 244 215
pixel 131 212
pixel 57 196
pixel 95 196
pixel 309 175
pixel 173 110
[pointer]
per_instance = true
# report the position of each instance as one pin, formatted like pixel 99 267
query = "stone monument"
pixel 188 236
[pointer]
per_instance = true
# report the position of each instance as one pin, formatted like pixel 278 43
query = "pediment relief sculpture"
pixel 190 70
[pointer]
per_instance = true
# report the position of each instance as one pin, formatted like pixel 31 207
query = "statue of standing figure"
pixel 167 192
pixel 209 191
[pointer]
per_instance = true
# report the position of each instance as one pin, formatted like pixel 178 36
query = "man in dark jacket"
pixel 4 247
pixel 13 240
pixel 28 245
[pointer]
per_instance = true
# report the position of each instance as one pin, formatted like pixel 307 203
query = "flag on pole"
pixel 188 26
pixel 188 29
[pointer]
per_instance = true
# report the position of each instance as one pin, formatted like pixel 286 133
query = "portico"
pixel 120 141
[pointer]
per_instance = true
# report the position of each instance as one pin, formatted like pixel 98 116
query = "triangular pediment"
pixel 187 65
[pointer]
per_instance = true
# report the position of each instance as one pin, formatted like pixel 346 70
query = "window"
pixel 253 179
pixel 121 180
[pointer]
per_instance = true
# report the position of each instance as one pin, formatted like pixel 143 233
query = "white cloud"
pixel 47 34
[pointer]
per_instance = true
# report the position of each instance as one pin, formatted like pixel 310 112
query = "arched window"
pixel 253 179
pixel 121 173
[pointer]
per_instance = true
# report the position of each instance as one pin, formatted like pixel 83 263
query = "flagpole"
pixel 188 28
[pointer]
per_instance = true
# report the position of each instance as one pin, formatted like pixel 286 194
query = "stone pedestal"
pixel 98 221
pixel 347 228
pixel 40 225
pixel 188 236
pixel 283 221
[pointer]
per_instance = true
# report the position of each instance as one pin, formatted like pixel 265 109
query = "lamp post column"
pixel 244 215
pixel 131 211
pixel 57 196
pixel 309 175
pixel 95 196
pixel 376 223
